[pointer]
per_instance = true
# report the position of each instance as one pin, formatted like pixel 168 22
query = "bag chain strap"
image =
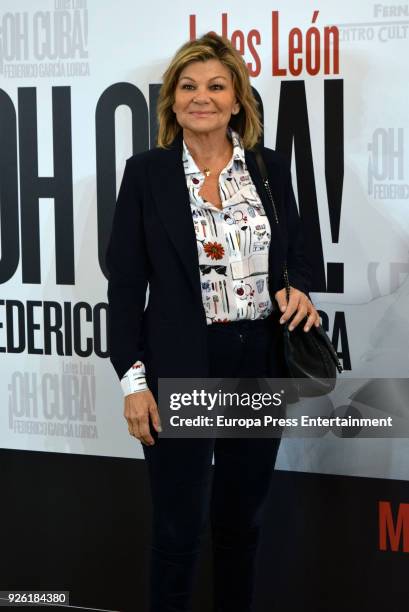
pixel 285 271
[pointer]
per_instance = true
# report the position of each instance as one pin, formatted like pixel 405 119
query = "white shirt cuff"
pixel 134 379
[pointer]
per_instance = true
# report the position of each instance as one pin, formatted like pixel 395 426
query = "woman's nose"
pixel 201 97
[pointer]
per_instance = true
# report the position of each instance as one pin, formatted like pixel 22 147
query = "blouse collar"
pixel 190 166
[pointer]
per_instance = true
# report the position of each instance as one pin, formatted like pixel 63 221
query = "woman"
pixel 193 221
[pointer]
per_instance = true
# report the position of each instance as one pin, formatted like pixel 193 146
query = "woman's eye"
pixel 214 86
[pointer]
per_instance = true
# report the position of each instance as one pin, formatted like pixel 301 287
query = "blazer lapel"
pixel 172 199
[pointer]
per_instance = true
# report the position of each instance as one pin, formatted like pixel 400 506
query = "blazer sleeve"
pixel 298 264
pixel 127 264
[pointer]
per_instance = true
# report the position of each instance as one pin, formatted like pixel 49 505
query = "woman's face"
pixel 205 97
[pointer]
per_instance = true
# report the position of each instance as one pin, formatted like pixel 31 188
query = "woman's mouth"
pixel 201 113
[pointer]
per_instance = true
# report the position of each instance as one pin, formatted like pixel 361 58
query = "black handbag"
pixel 309 356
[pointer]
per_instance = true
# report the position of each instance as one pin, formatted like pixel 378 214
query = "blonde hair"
pixel 246 122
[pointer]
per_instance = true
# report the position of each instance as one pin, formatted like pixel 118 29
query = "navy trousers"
pixel 186 491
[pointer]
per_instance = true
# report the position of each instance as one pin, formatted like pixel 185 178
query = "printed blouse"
pixel 232 245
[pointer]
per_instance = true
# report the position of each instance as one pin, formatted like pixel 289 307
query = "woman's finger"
pixel 292 306
pixel 281 299
pixel 153 411
pixel 299 316
pixel 144 431
pixel 312 317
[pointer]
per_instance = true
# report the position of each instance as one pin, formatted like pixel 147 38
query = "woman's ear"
pixel 236 108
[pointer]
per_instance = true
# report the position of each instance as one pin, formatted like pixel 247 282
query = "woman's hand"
pixel 138 407
pixel 300 304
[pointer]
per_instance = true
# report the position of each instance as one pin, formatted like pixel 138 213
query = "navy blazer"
pixel 153 243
